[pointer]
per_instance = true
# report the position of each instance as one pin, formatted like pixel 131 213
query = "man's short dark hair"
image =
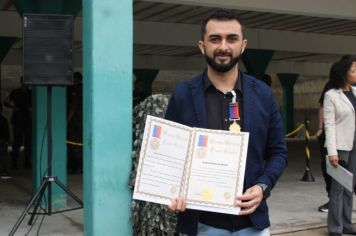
pixel 220 15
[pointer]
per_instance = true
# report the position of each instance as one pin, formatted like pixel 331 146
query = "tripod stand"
pixel 47 180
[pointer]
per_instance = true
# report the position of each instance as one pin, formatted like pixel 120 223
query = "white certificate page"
pixel 162 161
pixel 215 170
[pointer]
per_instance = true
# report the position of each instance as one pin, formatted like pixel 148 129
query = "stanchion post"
pixel 308 177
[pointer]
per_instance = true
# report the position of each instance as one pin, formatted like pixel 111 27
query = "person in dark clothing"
pixel 75 124
pixel 4 140
pixel 138 93
pixel 322 150
pixel 19 101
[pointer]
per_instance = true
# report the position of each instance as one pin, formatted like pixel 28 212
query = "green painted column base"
pixel 287 82
pixel 39 137
pixel 256 61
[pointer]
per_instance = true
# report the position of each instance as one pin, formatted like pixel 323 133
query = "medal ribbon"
pixel 234 108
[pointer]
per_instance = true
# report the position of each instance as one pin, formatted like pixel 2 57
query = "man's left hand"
pixel 250 200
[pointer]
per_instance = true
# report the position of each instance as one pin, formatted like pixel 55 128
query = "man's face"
pixel 223 44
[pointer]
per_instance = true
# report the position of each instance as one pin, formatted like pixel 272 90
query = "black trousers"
pixel 3 156
pixel 22 135
pixel 323 152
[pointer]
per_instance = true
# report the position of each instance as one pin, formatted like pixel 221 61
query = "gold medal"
pixel 234 127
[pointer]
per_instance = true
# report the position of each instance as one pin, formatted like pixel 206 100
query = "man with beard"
pixel 205 102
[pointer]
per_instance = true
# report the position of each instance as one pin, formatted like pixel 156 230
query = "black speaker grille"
pixel 47 50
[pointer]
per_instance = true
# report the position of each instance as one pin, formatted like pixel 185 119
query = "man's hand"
pixel 334 160
pixel 319 132
pixel 250 200
pixel 177 204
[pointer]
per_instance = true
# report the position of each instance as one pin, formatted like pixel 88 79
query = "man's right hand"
pixel 177 204
pixel 334 160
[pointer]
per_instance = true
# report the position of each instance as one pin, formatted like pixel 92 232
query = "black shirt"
pixel 351 97
pixel 217 108
pixel 21 99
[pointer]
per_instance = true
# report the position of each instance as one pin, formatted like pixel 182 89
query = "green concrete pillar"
pixel 39 107
pixel 287 82
pixel 5 45
pixel 107 66
pixel 147 76
pixel 256 61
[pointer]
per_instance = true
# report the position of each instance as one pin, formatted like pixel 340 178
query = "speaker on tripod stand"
pixel 47 61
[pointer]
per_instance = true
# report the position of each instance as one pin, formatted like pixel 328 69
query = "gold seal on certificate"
pixel 207 194
pixel 227 196
pixel 173 189
pixel 154 143
pixel 234 127
pixel 201 152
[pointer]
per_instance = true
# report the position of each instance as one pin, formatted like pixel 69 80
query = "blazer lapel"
pixel 197 90
pixel 248 86
pixel 345 99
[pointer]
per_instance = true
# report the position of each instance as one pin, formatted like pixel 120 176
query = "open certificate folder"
pixel 341 175
pixel 205 166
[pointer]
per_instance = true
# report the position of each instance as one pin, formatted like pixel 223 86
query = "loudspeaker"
pixel 47 49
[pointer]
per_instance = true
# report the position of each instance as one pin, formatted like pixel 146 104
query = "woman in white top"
pixel 339 120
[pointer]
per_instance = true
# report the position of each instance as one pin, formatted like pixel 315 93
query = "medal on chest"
pixel 234 114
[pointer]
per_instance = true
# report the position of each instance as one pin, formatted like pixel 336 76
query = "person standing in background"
pixel 320 134
pixel 75 124
pixel 339 119
pixel 4 140
pixel 19 101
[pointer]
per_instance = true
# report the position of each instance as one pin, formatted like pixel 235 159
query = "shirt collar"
pixel 208 83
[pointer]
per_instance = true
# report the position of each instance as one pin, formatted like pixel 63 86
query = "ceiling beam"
pixel 14 57
pixel 11 25
pixel 198 63
pixel 341 9
pixel 168 62
pixel 171 34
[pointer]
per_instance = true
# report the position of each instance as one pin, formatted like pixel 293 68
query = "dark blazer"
pixel 267 151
